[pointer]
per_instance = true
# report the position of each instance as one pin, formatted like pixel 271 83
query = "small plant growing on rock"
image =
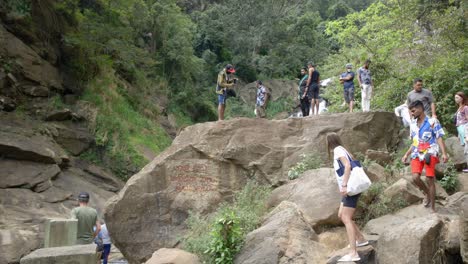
pixel 226 240
pixel 308 162
pixel 450 180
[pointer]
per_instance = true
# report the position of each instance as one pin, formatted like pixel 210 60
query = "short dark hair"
pixel 311 63
pixel 368 61
pixel 259 82
pixel 417 80
pixel 416 104
pixel 83 197
pixel 304 68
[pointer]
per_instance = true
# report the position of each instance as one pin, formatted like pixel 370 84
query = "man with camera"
pixel 224 83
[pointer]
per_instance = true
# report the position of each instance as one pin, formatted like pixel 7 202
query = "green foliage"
pixel 405 40
pixel 235 107
pixel 205 236
pixel 279 106
pixel 375 204
pixel 121 131
pixel 450 180
pixel 19 7
pixel 308 162
pixel 226 239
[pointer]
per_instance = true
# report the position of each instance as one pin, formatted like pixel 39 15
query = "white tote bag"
pixel 358 181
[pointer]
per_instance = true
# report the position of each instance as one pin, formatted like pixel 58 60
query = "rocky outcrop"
pixel 38 184
pixel 37 74
pixel 284 237
pixel 316 195
pixel 208 162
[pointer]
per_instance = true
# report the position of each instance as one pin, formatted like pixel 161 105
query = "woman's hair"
pixel 333 141
pixel 463 96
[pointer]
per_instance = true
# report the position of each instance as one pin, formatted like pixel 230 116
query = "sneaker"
pixel 349 258
pixel 426 202
pixel 465 170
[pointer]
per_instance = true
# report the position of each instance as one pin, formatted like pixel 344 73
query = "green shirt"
pixel 87 218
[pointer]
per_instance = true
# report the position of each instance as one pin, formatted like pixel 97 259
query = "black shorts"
pixel 314 91
pixel 350 201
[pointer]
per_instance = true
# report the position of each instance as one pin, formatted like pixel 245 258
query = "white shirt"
pixel 104 235
pixel 338 152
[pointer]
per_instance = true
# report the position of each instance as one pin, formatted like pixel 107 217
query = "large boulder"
pixel 464 231
pixel 75 139
pixel 315 193
pixel 455 150
pixel 416 241
pixel 284 237
pixel 207 162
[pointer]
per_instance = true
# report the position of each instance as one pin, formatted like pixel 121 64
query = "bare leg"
pixel 316 106
pixel 351 104
pixel 221 108
pixel 417 180
pixel 359 236
pixel 430 181
pixel 347 218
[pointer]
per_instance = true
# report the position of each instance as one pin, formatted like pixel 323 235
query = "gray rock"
pixel 284 237
pixel 35 148
pixel 316 195
pixel 59 115
pixel 381 157
pixel 78 254
pixel 26 174
pixel 376 172
pixel 75 139
pixel 7 104
pixel 464 231
pixel 172 256
pixel 416 241
pixel 35 90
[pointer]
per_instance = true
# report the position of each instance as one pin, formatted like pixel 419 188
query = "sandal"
pixel 361 244
pixel 426 202
pixel 348 258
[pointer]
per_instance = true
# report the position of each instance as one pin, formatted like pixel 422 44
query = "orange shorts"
pixel 418 165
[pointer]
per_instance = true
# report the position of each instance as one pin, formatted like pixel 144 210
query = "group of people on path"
pixel 90 228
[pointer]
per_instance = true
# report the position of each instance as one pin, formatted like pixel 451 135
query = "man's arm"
pixel 441 143
pixel 98 228
pixel 433 109
pixel 405 157
pixel 348 77
pixel 309 79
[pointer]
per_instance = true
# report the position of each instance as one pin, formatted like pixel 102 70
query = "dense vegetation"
pixel 161 57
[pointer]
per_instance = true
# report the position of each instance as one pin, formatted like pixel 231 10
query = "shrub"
pixel 308 162
pixel 226 239
pixel 375 204
pixel 450 180
pixel 207 234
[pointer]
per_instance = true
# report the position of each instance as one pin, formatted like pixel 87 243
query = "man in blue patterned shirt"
pixel 426 135
pixel 262 98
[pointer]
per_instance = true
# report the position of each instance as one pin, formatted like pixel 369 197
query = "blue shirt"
pixel 261 95
pixel 424 138
pixel 350 83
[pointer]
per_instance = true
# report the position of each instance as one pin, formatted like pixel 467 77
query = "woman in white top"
pixel 348 204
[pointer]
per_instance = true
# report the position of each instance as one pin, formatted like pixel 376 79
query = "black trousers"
pixel 305 106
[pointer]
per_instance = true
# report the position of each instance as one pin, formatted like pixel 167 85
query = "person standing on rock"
pixel 423 95
pixel 262 99
pixel 313 84
pixel 461 121
pixel 104 235
pixel 87 220
pixel 342 167
pixel 347 79
pixel 366 84
pixel 303 89
pixel 224 82
pixel 426 134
